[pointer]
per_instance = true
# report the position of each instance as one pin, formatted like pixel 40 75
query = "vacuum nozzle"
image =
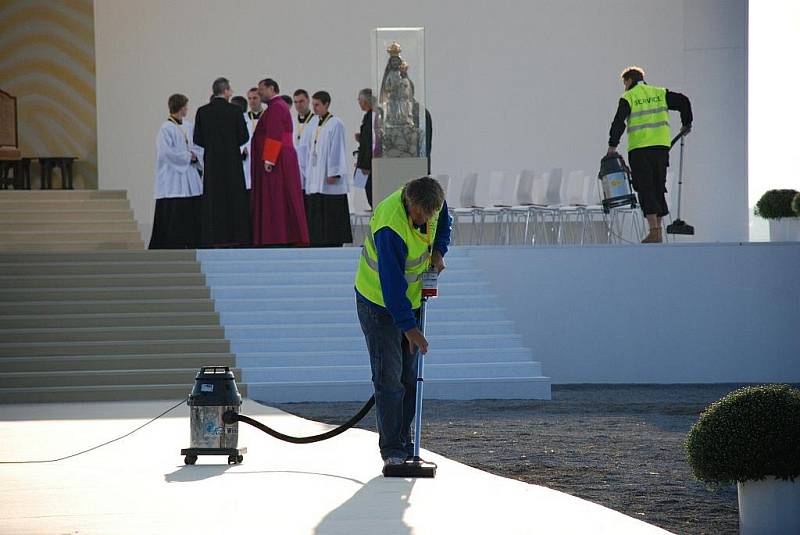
pixel 680 227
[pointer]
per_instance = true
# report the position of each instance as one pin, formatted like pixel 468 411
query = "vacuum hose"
pixel 230 417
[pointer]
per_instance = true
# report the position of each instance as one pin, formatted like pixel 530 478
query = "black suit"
pixel 220 129
pixel 364 158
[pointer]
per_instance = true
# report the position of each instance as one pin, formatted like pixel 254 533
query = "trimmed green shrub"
pixel 796 205
pixel 749 434
pixel 775 204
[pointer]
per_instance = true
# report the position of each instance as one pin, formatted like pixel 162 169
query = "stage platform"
pixel 140 484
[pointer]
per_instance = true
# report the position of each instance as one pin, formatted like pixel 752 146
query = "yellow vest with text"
pixel 392 214
pixel 648 123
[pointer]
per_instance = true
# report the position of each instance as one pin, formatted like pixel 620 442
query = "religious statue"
pixel 397 127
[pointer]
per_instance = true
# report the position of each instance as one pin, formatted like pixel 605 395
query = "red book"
pixel 272 148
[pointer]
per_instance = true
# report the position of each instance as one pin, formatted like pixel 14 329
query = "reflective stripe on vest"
pixel 392 214
pixel 648 123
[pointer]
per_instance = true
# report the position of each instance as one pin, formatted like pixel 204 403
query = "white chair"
pixel 547 198
pixel 571 212
pixel 595 215
pixel 502 192
pixel 444 181
pixel 360 214
pixel 467 206
pixel 521 213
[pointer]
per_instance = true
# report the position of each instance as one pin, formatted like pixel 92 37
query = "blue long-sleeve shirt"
pixel 392 253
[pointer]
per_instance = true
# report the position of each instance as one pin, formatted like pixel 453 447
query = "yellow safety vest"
pixel 392 214
pixel 648 123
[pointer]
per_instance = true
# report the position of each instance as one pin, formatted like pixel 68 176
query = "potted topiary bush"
pixel 776 206
pixel 752 437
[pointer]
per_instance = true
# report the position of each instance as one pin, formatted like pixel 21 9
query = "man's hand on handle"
pixel 612 151
pixel 416 340
pixel 267 167
pixel 437 261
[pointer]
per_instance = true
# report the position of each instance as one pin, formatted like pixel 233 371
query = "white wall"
pixel 511 84
pixel 773 38
pixel 722 313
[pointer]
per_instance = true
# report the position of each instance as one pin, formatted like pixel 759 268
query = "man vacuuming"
pixel 646 109
pixel 409 234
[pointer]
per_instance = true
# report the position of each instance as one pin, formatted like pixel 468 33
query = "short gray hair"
pixel 219 86
pixel 426 193
pixel 366 94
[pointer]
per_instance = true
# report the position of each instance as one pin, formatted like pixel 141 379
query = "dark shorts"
pixel 649 173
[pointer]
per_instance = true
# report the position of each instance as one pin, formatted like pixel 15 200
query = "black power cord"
pixel 181 402
pixel 230 417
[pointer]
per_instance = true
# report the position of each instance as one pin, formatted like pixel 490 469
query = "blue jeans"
pixel 394 376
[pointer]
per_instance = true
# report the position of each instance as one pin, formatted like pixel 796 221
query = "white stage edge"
pixel 704 313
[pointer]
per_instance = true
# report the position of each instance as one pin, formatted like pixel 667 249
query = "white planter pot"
pixel 784 229
pixel 769 507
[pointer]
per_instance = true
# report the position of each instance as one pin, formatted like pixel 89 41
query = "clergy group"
pixel 251 177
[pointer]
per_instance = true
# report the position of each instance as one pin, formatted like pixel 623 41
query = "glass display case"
pixel 398 81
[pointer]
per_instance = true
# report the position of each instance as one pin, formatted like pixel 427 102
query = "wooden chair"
pixel 10 155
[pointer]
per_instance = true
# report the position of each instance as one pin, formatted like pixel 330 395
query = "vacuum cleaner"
pixel 679 226
pixel 215 403
pixel 615 180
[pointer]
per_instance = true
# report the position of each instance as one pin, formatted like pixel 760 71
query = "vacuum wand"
pixel 680 226
pixel 414 466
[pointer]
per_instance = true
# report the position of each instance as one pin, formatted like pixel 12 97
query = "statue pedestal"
pixel 391 174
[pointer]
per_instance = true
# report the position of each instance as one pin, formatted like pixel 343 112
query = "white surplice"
pixel 251 127
pixel 331 157
pixel 176 174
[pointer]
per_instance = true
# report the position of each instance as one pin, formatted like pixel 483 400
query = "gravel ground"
pixel 619 446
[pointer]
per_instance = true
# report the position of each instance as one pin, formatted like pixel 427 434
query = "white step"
pixel 332 278
pixel 348 313
pixel 325 290
pixel 357 343
pixel 361 357
pixel 444 328
pixel 340 303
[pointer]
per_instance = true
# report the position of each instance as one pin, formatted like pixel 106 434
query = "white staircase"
pixel 290 317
